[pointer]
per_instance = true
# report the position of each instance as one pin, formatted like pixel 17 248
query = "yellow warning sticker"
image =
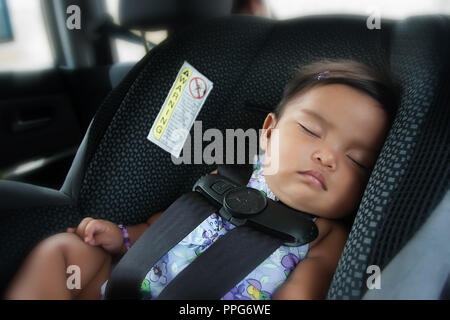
pixel 180 109
pixel 171 102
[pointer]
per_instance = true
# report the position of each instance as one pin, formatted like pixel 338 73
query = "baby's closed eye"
pixel 308 131
pixel 359 164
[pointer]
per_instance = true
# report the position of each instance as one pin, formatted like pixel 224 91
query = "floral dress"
pixel 259 284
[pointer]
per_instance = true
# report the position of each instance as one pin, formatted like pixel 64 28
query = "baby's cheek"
pixel 346 198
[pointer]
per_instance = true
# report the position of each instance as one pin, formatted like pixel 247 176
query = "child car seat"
pixel 119 175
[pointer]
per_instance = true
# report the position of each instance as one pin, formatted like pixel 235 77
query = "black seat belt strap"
pixel 239 173
pixel 167 231
pixel 222 266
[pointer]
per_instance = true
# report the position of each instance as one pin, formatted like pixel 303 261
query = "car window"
pixel 285 9
pixel 27 46
pixel 128 51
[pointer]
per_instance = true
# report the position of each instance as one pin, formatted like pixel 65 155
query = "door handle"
pixel 19 125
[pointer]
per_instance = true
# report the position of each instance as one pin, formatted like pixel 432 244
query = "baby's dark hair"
pixel 379 84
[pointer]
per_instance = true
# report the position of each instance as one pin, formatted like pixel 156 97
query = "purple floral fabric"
pixel 259 284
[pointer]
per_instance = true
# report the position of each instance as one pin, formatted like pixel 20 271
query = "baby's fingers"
pixel 71 230
pixel 81 229
pixel 93 228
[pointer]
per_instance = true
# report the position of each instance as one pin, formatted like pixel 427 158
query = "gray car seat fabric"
pixel 412 171
pixel 124 179
pixel 118 71
pixel 120 176
pixel 419 270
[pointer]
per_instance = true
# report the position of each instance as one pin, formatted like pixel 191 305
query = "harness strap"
pixel 223 265
pixel 229 260
pixel 239 173
pixel 211 275
pixel 167 231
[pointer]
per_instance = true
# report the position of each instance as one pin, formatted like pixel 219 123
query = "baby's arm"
pixel 136 231
pixel 108 235
pixel 312 276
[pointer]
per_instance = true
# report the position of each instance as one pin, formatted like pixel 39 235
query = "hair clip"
pixel 323 75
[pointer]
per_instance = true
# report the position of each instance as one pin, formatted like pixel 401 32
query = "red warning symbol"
pixel 197 88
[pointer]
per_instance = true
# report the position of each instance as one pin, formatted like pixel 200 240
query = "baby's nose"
pixel 327 160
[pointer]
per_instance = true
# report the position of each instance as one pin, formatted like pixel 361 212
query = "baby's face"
pixel 332 129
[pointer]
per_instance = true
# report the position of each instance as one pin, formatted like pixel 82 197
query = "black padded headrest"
pixel 157 14
pixel 299 41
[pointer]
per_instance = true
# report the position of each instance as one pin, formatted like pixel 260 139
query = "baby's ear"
pixel 269 124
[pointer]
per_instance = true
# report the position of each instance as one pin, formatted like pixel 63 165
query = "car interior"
pixel 74 135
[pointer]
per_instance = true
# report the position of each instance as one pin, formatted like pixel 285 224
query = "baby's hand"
pixel 100 233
